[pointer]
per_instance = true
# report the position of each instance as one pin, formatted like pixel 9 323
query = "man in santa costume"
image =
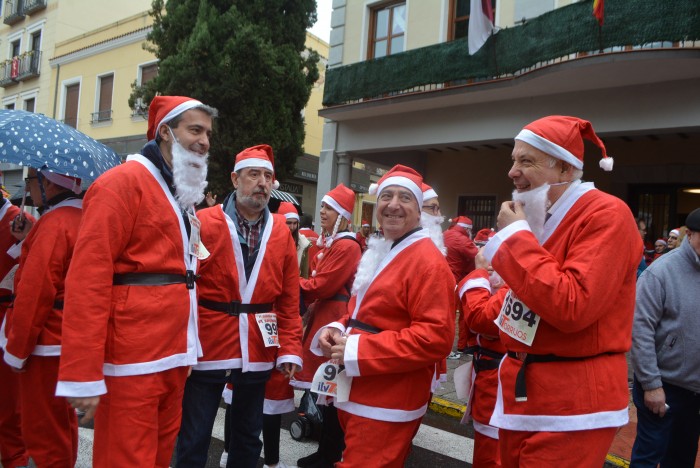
pixel 479 316
pixel 33 322
pixel 12 451
pixel 248 313
pixel 363 234
pixel 400 323
pixel 565 316
pixel 130 317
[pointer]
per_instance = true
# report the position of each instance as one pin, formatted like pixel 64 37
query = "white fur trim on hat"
pixel 292 216
pixel 255 162
pixel 63 181
pixel 404 182
pixel 177 110
pixel 334 204
pixel 465 225
pixel 429 195
pixel 552 149
pixel 675 231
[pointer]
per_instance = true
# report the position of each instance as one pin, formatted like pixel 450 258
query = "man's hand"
pixel 19 370
pixel 86 404
pixel 655 400
pixel 328 337
pixel 20 227
pixel 289 369
pixel 510 213
pixel 338 350
pixel 480 260
pixel 211 199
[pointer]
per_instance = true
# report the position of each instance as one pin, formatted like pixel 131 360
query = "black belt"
pixel 154 279
pixel 527 358
pixel 363 326
pixel 340 298
pixel 235 308
pixel 485 364
pixel 58 305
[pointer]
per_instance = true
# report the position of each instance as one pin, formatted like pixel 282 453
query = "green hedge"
pixel 552 35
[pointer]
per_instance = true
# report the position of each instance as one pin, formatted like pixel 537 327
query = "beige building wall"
pixel 313 124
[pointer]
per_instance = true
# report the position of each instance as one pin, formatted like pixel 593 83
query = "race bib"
pixel 330 379
pixel 196 247
pixel 267 323
pixel 517 320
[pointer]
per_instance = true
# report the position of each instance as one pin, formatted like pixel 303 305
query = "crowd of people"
pixel 133 308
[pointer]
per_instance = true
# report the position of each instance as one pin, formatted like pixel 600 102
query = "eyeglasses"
pixel 434 209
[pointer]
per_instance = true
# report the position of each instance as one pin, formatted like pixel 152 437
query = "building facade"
pixel 402 87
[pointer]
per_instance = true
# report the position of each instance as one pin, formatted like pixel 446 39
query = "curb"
pixel 455 410
pixel 442 406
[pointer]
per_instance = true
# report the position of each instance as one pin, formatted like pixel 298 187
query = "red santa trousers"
pixel 485 452
pixel 11 444
pixel 138 419
pixel 379 444
pixel 49 423
pixel 537 449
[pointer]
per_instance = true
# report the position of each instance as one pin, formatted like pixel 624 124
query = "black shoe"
pixel 310 460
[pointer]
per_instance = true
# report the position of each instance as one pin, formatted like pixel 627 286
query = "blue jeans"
pixel 246 418
pixel 199 406
pixel 671 440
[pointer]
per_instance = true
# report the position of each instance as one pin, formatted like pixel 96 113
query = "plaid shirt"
pixel 250 230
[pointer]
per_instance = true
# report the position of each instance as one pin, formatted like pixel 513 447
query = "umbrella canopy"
pixel 283 196
pixel 37 141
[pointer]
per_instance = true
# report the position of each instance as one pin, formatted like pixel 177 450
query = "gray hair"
pixel 576 173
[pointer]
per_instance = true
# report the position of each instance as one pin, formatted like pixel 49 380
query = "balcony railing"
pixel 6 74
pixel 562 34
pixel 20 68
pixel 102 116
pixel 31 6
pixel 14 11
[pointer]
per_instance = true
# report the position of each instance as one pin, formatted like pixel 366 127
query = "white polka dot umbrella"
pixel 37 141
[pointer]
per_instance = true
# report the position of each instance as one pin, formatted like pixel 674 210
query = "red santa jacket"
pixel 479 315
pixel 34 320
pixel 411 299
pixel 460 252
pixel 335 270
pixel 8 212
pixel 583 293
pixel 131 224
pixel 230 342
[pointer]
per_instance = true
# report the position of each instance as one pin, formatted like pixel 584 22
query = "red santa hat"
pixel 661 241
pixel 257 156
pixel 483 236
pixel 562 137
pixel 71 183
pixel 163 109
pixel 461 221
pixel 342 200
pixel 428 192
pixel 365 223
pixel 402 176
pixel 288 210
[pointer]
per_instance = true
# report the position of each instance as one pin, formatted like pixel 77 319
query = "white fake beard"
pixel 434 226
pixel 377 249
pixel 189 176
pixel 535 206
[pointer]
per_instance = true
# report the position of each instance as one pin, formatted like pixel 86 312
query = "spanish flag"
pixel 598 7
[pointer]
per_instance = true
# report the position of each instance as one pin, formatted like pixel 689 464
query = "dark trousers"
pixel 199 406
pixel 246 418
pixel 671 440
pixel 271 438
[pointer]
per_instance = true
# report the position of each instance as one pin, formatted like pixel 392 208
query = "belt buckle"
pixel 521 356
pixel 233 308
pixel 190 278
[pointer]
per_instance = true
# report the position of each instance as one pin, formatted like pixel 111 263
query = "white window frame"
pixel 27 95
pixel 7 100
pixel 140 69
pixel 12 38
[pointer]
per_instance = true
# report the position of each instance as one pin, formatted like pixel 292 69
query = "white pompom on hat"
pixel 562 137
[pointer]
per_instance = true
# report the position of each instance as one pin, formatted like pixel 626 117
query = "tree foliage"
pixel 248 59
